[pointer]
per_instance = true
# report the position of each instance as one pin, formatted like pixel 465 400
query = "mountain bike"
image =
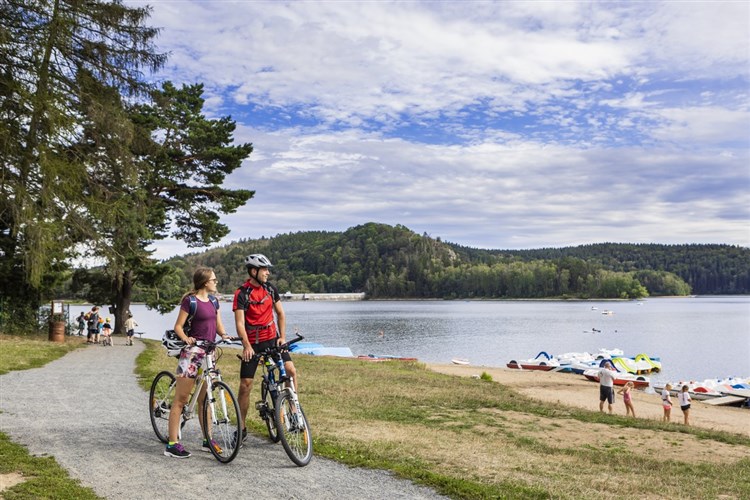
pixel 221 411
pixel 279 406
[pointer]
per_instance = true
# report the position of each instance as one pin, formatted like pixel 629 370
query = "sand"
pixel 575 390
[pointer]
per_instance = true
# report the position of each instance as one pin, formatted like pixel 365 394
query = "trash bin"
pixel 57 331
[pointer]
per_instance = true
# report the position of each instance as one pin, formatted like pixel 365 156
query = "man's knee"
pixel 246 384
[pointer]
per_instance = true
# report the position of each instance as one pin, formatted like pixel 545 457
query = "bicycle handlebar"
pixel 270 351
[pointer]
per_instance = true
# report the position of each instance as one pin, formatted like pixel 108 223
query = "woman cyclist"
pixel 204 324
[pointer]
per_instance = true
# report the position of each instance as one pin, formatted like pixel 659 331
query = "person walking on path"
pixel 684 399
pixel 204 324
pixel 93 325
pixel 255 303
pixel 606 386
pixel 627 398
pixel 666 403
pixel 81 323
pixel 130 325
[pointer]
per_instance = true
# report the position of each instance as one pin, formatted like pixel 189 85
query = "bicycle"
pixel 221 411
pixel 279 406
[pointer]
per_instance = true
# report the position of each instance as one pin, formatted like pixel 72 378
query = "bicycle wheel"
pixel 294 430
pixel 267 411
pixel 221 417
pixel 160 401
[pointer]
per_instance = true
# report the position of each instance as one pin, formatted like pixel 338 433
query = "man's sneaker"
pixel 176 451
pixel 244 437
pixel 213 444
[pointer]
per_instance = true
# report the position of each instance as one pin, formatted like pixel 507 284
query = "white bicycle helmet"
pixel 172 343
pixel 257 260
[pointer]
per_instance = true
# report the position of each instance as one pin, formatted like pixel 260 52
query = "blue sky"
pixel 501 125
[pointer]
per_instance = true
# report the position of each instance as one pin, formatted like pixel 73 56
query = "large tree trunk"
pixel 123 297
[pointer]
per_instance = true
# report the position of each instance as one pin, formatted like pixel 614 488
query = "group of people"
pixel 99 329
pixel 260 323
pixel 606 393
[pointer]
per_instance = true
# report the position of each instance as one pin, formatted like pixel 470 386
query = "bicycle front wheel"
pixel 221 422
pixel 267 411
pixel 293 429
pixel 160 401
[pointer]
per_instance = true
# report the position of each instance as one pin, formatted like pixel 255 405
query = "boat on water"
pixel 542 362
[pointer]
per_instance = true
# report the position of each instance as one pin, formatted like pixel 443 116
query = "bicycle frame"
pixel 207 373
pixel 289 423
pixel 220 411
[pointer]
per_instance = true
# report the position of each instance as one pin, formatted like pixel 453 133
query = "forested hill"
pixel 709 269
pixel 386 261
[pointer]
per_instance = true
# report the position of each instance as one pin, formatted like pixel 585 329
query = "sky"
pixel 500 125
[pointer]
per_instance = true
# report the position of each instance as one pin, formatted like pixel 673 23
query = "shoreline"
pixel 575 390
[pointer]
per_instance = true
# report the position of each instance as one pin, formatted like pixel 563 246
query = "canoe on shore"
pixel 385 357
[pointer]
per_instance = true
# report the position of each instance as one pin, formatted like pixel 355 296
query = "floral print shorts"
pixel 191 359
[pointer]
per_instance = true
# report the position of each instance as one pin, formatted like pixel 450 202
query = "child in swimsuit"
pixel 666 402
pixel 627 398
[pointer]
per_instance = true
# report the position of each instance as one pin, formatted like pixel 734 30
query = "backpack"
pixel 170 340
pixel 194 307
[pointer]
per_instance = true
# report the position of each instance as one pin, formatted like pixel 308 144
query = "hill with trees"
pixel 394 262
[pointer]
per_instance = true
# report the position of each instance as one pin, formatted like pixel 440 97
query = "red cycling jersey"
pixel 257 302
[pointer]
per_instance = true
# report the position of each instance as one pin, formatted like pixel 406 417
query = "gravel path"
pixel 87 411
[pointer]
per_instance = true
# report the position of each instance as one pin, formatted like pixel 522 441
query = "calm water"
pixel 696 338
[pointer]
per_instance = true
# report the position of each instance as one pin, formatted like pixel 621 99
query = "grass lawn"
pixel 473 438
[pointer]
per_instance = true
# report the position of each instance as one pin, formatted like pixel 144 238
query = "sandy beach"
pixel 575 390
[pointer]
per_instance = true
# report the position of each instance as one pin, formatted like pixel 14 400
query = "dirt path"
pixel 575 390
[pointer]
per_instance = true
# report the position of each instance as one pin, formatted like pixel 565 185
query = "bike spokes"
pixel 221 416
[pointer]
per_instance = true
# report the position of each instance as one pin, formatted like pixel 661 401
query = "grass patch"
pixel 22 352
pixel 470 438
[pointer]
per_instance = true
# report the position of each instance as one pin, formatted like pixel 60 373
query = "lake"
pixel 696 337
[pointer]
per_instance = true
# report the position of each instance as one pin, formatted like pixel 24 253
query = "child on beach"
pixel 627 398
pixel 685 399
pixel 666 402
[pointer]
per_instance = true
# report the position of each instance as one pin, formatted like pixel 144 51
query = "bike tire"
pixel 294 430
pixel 223 426
pixel 160 399
pixel 268 413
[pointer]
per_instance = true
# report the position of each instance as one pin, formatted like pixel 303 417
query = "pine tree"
pixel 51 53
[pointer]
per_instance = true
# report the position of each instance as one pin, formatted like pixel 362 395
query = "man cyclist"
pixel 255 303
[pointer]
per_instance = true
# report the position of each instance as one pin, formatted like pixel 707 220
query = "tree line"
pixel 394 262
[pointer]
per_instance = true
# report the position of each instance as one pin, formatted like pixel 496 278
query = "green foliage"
pixel 486 376
pixel 168 178
pixel 393 262
pixel 62 62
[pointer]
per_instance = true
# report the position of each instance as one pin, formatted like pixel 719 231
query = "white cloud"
pixel 492 124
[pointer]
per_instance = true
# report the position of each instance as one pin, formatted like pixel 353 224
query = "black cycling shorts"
pixel 248 368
